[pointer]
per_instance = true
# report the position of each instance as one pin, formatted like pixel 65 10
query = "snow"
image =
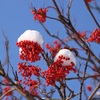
pixel 66 53
pixel 20 49
pixel 31 35
pixel 98 93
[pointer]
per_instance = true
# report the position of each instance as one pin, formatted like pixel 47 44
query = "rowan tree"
pixel 69 58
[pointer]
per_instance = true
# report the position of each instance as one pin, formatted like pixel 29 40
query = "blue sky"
pixel 15 18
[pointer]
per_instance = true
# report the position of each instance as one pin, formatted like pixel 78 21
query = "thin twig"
pixel 85 69
pixel 86 77
pixel 6 93
pixel 7 51
pixel 87 5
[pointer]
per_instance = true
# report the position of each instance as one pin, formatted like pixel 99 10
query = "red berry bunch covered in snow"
pixel 64 62
pixel 30 47
pixel 30 44
pixel 66 53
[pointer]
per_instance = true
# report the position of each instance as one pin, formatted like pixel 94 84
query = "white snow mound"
pixel 98 93
pixel 66 53
pixel 31 35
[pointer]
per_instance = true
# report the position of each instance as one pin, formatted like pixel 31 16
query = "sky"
pixel 15 18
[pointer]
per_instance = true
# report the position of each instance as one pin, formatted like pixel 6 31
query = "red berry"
pixel 89 88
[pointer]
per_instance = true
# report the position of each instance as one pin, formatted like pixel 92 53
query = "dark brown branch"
pixel 60 93
pixel 86 77
pixel 85 69
pixel 87 5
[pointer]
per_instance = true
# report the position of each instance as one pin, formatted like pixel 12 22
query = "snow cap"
pixel 68 54
pixel 31 35
pixel 98 93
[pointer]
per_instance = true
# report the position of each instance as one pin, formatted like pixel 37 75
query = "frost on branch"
pixel 30 45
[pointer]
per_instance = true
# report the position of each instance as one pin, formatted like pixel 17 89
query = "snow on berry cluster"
pixel 30 48
pixel 64 62
pixel 30 44
pixel 66 53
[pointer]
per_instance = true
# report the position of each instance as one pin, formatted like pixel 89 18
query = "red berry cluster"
pixel 29 50
pixel 54 48
pixel 40 14
pixel 95 36
pixel 5 81
pixel 6 89
pixel 27 71
pixel 58 72
pixel 83 34
pixel 33 85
